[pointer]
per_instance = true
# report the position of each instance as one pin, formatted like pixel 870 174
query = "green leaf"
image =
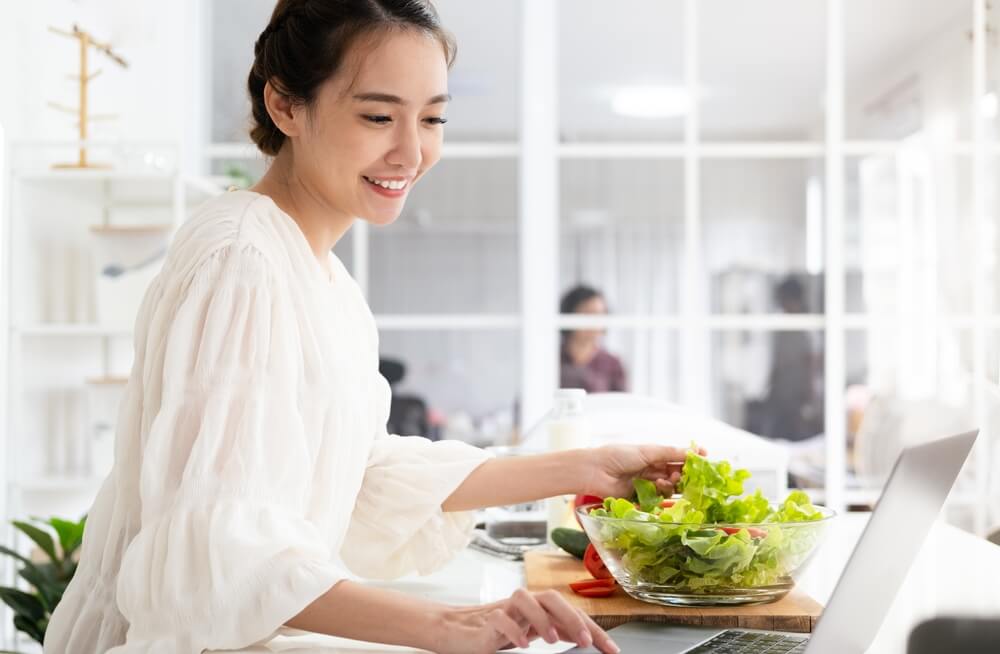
pixel 47 588
pixel 22 603
pixel 47 571
pixel 54 572
pixel 649 497
pixel 41 538
pixel 17 555
pixel 797 508
pixel 60 579
pixel 33 629
pixel 70 534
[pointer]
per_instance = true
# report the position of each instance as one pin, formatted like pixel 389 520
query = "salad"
pixel 675 541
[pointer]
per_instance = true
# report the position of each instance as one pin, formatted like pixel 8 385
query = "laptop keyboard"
pixel 734 641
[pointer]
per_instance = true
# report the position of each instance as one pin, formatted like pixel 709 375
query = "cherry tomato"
pixel 666 504
pixel 595 566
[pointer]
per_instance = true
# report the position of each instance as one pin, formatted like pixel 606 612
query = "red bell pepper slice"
pixel 754 532
pixel 593 583
pixel 595 566
pixel 581 500
pixel 596 591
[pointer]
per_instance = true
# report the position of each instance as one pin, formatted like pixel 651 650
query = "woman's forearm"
pixel 512 480
pixel 359 612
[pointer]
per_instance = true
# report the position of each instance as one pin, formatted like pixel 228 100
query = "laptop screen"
pixel 910 503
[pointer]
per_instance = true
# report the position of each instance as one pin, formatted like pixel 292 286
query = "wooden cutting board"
pixel 544 569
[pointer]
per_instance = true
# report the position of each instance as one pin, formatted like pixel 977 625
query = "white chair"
pixel 632 418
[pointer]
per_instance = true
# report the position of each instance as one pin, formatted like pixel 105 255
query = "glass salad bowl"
pixel 686 564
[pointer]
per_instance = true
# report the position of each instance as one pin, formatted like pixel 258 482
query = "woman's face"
pixel 594 306
pixel 377 123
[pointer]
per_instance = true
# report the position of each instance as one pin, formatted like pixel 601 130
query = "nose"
pixel 406 152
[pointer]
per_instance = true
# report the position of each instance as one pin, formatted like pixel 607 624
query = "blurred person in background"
pixel 408 413
pixel 583 361
pixel 790 410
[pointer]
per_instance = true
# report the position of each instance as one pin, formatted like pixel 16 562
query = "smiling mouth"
pixel 388 184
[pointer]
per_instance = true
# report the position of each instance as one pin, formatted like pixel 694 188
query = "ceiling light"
pixel 651 101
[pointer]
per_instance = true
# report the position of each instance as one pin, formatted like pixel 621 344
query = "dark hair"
pixel 306 41
pixel 571 301
pixel 790 290
pixel 576 296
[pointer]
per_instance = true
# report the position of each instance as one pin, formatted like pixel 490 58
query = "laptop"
pixel 910 503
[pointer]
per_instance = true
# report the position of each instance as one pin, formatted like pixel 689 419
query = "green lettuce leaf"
pixel 645 490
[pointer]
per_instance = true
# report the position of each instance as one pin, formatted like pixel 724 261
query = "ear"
pixel 286 114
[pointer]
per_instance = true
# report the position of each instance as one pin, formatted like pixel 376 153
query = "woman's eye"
pixel 384 120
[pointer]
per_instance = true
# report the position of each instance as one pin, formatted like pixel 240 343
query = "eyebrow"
pixel 395 99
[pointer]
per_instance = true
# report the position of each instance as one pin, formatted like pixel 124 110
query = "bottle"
pixel 567 429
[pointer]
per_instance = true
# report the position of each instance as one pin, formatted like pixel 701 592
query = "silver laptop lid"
pixel 910 503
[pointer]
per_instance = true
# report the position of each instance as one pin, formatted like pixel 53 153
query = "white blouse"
pixel 252 465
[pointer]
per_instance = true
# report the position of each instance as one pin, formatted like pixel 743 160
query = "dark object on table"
pixel 408 414
pixel 965 635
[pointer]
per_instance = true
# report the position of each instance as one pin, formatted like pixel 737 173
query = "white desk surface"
pixel 955 573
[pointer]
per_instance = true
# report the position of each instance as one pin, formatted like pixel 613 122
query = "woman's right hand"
pixel 516 621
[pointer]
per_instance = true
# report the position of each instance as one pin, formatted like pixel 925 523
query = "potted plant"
pixel 48 577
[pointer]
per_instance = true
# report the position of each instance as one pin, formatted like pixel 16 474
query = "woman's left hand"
pixel 613 467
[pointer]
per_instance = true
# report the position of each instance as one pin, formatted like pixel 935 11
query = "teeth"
pixel 394 185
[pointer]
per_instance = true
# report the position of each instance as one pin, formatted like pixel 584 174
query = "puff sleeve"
pixel 398 526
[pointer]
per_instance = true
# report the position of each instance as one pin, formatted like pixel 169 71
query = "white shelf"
pixel 130 230
pixel 109 381
pixel 72 329
pixel 58 484
pixel 109 175
pixel 133 200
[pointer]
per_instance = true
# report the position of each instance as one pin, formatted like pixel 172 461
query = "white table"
pixel 955 573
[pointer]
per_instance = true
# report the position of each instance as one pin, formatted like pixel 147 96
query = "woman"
pixel 253 470
pixel 583 361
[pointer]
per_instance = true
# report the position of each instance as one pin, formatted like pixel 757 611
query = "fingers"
pixel 661 454
pixel 661 478
pixel 504 624
pixel 569 621
pixel 665 487
pixel 549 614
pixel 600 637
pixel 666 460
pixel 535 614
pixel 665 482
